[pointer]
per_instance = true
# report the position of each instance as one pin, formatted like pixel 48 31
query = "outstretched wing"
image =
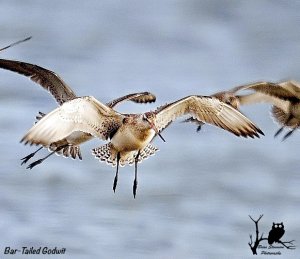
pixel 209 110
pixel 280 94
pixel 269 92
pixel 84 114
pixel 292 86
pixel 143 97
pixel 46 78
pixel 268 88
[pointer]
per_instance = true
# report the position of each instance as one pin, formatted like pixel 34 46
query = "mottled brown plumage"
pixel 143 97
pixel 208 109
pixel 63 93
pixel 78 119
pixel 131 134
pixel 284 96
pixel 49 80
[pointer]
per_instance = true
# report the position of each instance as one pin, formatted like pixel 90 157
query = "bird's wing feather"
pixel 143 97
pixel 292 86
pixel 209 110
pixel 267 88
pixel 84 114
pixel 46 78
pixel 259 97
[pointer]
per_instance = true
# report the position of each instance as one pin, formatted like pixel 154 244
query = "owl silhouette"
pixel 276 233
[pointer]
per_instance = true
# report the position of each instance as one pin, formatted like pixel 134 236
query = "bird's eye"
pixel 229 100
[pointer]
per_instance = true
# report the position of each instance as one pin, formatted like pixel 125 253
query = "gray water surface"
pixel 195 195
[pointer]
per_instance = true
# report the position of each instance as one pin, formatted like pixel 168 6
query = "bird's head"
pixel 232 100
pixel 149 121
pixel 228 98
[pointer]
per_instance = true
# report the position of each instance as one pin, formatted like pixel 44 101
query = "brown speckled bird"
pixel 284 96
pixel 69 145
pixel 78 119
pixel 130 134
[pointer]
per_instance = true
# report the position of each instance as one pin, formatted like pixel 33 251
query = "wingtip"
pixel 260 132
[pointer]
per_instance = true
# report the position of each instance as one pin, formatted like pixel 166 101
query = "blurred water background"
pixel 195 195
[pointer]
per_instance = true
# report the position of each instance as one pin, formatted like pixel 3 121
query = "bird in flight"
pixel 77 119
pixel 129 136
pixel 63 93
pixel 283 96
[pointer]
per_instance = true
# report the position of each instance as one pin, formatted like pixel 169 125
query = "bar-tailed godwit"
pixel 130 134
pixel 78 119
pixel 284 96
pixel 62 93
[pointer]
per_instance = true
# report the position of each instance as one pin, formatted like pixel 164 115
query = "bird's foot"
pixel 115 183
pixel 278 132
pixel 134 187
pixel 288 135
pixel 26 158
pixel 35 163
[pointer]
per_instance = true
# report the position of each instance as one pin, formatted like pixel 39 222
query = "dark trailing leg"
pixel 278 132
pixel 26 158
pixel 285 124
pixel 135 182
pixel 39 161
pixel 117 172
pixel 289 134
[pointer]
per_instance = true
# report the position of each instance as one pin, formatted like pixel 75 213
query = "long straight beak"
pixel 157 132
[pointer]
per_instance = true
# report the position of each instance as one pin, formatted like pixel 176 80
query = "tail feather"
pixel 107 153
pixel 149 150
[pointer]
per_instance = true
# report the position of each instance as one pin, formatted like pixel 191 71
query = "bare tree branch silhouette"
pixel 257 238
pixel 291 246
